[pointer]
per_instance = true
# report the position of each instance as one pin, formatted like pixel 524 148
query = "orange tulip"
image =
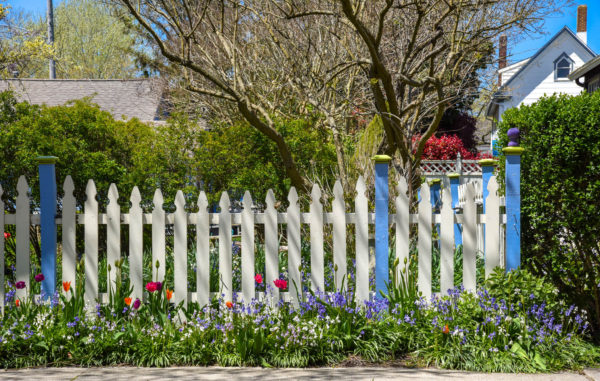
pixel 446 330
pixel 229 305
pixel 128 301
pixel 17 302
pixel 169 294
pixel 67 286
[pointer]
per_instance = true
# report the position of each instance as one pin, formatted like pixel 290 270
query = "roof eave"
pixel 564 29
pixel 586 68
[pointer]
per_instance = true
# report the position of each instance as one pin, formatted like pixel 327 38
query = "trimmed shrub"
pixel 560 193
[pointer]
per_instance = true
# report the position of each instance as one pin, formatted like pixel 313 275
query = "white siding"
pixel 511 70
pixel 537 79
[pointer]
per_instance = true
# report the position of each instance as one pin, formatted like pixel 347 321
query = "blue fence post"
pixel 436 202
pixel 513 201
pixel 381 224
pixel 487 171
pixel 454 183
pixel 47 174
pixel 436 186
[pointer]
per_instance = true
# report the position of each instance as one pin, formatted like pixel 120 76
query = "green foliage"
pixel 238 158
pixel 560 193
pixel 89 144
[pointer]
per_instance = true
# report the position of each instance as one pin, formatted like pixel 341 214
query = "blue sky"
pixel 523 49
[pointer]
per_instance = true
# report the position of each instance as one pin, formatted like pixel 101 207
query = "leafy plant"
pixel 560 193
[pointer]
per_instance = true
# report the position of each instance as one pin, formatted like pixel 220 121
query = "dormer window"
pixel 563 67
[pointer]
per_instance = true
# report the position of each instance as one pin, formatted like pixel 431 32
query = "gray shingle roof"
pixel 125 99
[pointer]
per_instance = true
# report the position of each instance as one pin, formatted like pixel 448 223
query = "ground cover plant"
pixel 514 322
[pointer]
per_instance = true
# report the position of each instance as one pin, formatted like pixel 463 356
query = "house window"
pixel 562 67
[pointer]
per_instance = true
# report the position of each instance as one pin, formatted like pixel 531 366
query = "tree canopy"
pixel 404 61
pixel 21 43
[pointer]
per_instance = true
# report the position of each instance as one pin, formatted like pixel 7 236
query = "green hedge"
pixel 560 193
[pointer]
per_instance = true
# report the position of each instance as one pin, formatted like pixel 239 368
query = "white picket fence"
pixel 272 220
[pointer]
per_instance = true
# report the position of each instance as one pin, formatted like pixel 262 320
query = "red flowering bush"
pixel 446 147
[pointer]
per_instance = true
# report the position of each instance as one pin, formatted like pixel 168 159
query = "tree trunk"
pixel 291 169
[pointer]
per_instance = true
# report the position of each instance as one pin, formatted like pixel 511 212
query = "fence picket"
pixel 447 243
pixel 158 237
pixel 248 249
pixel 469 238
pixel 180 250
pixel 492 227
pixel 402 222
pixel 202 251
pixel 113 235
pixel 424 244
pixel 271 247
pixel 136 244
pixel 293 232
pixel 69 253
pixel 362 241
pixel 91 243
pixel 2 252
pixel 22 231
pixel 317 267
pixel 225 255
pixel 339 237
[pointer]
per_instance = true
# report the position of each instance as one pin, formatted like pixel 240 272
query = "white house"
pixel 545 73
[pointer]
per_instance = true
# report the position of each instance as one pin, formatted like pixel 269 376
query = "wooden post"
pixel 317 263
pixel 447 243
pixel 454 183
pixel 248 289
pixel 69 253
pixel 381 224
pixel 513 207
pixel 436 201
pixel 424 242
pixel 436 187
pixel 339 237
pixel 91 243
pixel 361 206
pixel 487 171
pixel 47 172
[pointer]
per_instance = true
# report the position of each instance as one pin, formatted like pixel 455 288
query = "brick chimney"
pixel 502 57
pixel 582 23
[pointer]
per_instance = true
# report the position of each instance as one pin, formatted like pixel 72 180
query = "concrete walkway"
pixel 233 374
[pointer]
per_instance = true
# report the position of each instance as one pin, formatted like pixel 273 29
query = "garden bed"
pixel 515 323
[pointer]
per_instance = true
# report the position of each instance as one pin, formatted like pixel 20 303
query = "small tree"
pixel 560 193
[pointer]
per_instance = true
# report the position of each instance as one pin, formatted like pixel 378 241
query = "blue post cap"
pixel 46 159
pixel 382 158
pixel 453 175
pixel 435 181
